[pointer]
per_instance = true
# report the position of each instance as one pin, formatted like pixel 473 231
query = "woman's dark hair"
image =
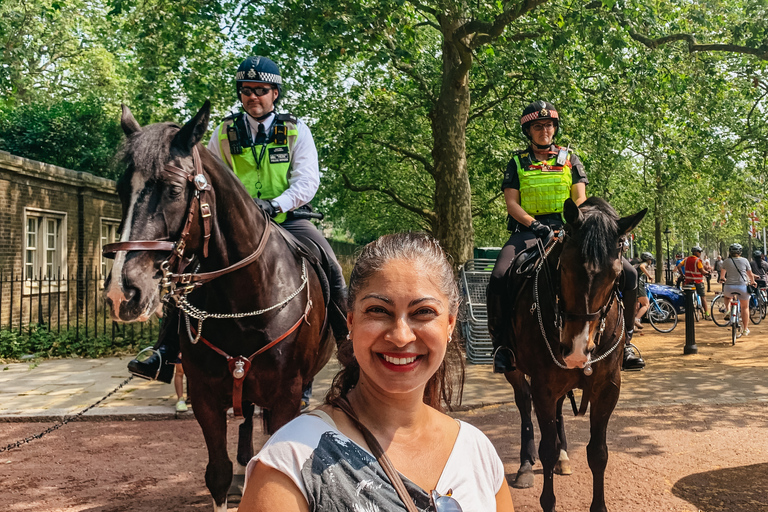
pixel 425 253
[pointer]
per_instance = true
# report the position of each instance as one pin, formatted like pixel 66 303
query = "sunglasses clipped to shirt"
pixel 444 502
pixel 258 91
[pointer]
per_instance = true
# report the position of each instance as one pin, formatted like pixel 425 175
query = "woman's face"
pixel 399 328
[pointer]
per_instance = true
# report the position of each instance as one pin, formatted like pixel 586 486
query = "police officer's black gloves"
pixel 266 206
pixel 539 229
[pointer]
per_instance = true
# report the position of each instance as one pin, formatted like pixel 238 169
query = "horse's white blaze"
pixel 116 293
pixel 222 508
pixel 578 356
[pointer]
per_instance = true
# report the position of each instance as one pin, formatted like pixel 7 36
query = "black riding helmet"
pixel 259 69
pixel 536 111
pixel 757 254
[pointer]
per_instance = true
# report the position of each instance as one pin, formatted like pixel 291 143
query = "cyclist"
pixel 736 274
pixel 644 277
pixel 692 269
pixel 759 267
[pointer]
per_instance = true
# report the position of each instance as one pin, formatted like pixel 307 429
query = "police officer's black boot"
pixel 503 357
pixel 630 360
pixel 160 363
pixel 337 309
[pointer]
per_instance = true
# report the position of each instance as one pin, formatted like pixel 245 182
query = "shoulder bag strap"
pixel 381 457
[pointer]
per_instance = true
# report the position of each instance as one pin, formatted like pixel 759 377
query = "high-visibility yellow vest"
pixel 263 169
pixel 544 186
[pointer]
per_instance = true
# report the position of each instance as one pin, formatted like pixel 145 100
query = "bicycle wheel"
pixel 662 315
pixel 755 309
pixel 721 315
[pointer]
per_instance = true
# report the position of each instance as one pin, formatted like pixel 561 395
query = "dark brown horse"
pixel 567 332
pixel 264 336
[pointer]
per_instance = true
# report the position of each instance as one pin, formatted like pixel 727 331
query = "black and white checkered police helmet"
pixel 259 69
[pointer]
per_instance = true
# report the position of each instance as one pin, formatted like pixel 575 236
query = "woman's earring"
pixel 450 337
pixel 348 338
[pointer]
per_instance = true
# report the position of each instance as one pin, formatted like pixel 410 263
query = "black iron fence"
pixel 61 315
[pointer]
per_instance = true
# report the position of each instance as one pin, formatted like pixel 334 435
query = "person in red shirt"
pixel 693 270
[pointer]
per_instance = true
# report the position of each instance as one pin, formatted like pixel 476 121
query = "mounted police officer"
pixel 274 156
pixel 536 183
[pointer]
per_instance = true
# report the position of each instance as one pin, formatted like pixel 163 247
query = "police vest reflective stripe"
pixel 692 272
pixel 267 178
pixel 544 186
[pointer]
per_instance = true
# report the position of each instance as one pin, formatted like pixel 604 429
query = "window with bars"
pixel 109 235
pixel 44 245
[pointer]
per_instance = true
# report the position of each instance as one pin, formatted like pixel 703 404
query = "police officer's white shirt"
pixel 305 172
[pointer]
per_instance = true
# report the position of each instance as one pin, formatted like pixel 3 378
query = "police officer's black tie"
pixel 261 135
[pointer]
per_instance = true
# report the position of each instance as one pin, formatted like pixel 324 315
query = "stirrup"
pixel 503 360
pixel 134 368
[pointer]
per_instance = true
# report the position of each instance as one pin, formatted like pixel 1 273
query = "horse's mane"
pixel 599 231
pixel 148 148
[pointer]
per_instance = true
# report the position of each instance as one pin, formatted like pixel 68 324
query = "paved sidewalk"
pixel 718 374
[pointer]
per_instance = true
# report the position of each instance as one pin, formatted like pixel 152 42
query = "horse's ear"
pixel 191 133
pixel 627 224
pixel 128 122
pixel 571 213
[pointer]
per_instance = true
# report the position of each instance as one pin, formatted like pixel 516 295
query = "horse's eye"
pixel 175 190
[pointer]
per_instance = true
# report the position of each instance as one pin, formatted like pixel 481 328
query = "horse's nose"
pixel 121 301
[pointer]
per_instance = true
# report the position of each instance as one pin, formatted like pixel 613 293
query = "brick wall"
pixel 81 200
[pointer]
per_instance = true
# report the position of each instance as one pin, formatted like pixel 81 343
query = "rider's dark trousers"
pixel 304 230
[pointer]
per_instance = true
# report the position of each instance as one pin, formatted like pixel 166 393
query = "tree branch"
pixel 426 214
pixel 410 70
pixel 405 152
pixel 693 46
pixel 487 32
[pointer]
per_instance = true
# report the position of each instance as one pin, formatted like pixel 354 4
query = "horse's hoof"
pixel 523 480
pixel 235 491
pixel 563 467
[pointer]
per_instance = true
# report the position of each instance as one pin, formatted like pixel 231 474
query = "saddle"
pixel 315 256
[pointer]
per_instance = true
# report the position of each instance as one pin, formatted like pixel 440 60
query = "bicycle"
pixel 728 315
pixel 758 304
pixel 661 313
pixel 736 328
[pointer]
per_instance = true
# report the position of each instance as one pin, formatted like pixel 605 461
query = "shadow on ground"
pixel 726 490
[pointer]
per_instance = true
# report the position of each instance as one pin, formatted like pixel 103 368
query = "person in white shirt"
pixel 735 275
pixel 395 379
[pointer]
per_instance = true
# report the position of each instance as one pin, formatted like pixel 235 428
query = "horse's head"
pixel 590 265
pixel 156 196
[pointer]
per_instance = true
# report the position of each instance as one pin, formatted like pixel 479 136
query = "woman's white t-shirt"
pixel 336 474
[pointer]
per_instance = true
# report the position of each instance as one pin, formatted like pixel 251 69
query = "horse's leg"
pixel 546 412
pixel 244 453
pixel 524 477
pixel 563 465
pixel 213 421
pixel 597 450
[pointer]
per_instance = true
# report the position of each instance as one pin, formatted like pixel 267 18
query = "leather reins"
pixel 200 206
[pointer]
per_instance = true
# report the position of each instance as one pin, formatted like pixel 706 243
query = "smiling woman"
pixel 383 415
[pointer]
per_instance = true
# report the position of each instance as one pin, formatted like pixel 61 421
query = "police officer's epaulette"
pixel 287 117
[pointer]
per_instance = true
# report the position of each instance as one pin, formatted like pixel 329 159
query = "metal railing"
pixel 63 303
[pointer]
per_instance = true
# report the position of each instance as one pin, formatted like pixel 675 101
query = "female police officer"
pixel 536 183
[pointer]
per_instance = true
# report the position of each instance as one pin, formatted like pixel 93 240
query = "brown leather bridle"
pixel 199 206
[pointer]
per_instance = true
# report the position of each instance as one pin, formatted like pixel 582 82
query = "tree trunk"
pixel 453 195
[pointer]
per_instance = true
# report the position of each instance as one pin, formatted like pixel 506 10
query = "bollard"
pixel 690 324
